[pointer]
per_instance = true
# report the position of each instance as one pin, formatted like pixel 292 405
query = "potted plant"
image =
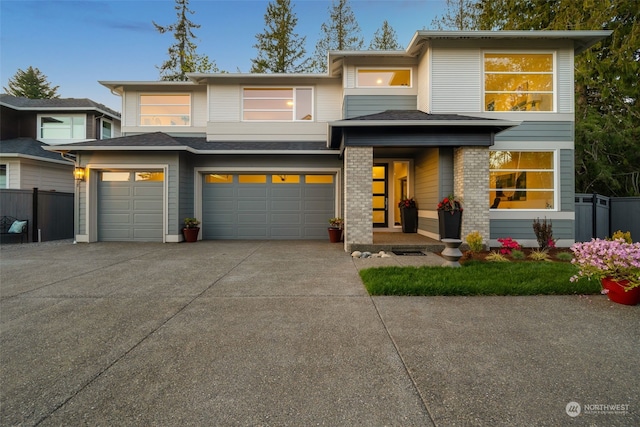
pixel 335 229
pixel 450 217
pixel 409 215
pixel 191 229
pixel 615 263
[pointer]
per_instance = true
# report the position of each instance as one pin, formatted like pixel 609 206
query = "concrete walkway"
pixel 284 333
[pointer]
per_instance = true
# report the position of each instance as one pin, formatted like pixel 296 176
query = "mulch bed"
pixel 481 256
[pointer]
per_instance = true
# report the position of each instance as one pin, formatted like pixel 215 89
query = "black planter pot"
pixel 409 217
pixel 450 224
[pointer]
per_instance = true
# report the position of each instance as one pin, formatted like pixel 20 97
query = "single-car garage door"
pixel 267 206
pixel 130 206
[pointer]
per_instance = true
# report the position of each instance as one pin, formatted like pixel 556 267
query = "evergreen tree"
pixel 280 49
pixel 385 38
pixel 607 135
pixel 340 32
pixel 460 15
pixel 183 57
pixel 31 84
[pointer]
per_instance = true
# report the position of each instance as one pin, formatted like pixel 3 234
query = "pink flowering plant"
pixel 614 259
pixel 407 203
pixel 508 245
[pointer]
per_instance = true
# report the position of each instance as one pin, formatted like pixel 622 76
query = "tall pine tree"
pixel 459 15
pixel 31 84
pixel 340 32
pixel 385 38
pixel 280 49
pixel 183 57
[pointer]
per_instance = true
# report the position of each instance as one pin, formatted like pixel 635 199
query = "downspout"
pixel 76 196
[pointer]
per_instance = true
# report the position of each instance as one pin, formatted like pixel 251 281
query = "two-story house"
pixel 488 116
pixel 28 125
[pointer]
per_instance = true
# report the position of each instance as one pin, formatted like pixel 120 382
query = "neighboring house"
pixel 488 116
pixel 28 125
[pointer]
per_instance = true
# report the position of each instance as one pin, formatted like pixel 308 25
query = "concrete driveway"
pixel 284 333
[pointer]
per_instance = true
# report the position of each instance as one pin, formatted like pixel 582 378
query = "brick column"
pixel 358 208
pixel 471 183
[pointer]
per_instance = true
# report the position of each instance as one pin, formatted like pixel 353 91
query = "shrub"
pixel 564 256
pixel 508 244
pixel 517 254
pixel 540 255
pixel 496 257
pixel 544 233
pixel 474 240
pixel 620 235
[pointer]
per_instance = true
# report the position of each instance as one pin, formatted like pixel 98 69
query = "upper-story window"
pixel 383 77
pixel 68 126
pixel 518 82
pixel 3 176
pixel 106 129
pixel 277 104
pixel 168 109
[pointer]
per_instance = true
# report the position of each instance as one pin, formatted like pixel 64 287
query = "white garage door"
pixel 267 206
pixel 130 206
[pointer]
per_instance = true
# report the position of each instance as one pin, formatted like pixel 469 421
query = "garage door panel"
pixel 286 218
pixel 251 192
pixel 266 211
pixel 117 206
pixel 285 205
pixel 111 192
pixel 147 219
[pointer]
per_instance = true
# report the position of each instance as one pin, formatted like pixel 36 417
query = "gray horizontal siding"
pixel 523 228
pixel 539 131
pixel 567 181
pixel 362 105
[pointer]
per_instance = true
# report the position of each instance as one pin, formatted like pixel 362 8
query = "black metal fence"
pixel 600 216
pixel 50 213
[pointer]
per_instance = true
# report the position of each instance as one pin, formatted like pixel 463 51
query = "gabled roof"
pixel 29 148
pixel 62 104
pixel 159 141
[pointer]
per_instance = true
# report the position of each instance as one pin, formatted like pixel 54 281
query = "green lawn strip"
pixel 478 278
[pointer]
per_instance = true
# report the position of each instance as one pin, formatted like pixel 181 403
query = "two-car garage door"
pixel 267 206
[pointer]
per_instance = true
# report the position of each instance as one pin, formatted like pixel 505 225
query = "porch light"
pixel 78 173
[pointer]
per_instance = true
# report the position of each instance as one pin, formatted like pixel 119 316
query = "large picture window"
pixel 277 104
pixel 165 110
pixel 522 180
pixel 383 77
pixel 518 82
pixel 62 127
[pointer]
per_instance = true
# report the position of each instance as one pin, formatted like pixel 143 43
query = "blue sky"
pixel 77 43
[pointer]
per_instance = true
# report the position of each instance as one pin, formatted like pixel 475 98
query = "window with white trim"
pixel 106 129
pixel 277 104
pixel 167 109
pixel 67 126
pixel 518 82
pixel 3 176
pixel 383 77
pixel 522 180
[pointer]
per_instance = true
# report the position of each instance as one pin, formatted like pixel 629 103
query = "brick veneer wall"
pixel 471 183
pixel 358 163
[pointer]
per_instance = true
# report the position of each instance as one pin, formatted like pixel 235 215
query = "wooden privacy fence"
pixel 600 216
pixel 50 213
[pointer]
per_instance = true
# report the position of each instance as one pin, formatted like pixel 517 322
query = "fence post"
pixel 34 216
pixel 594 215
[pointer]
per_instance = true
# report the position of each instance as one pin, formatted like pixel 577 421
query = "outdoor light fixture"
pixel 78 173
